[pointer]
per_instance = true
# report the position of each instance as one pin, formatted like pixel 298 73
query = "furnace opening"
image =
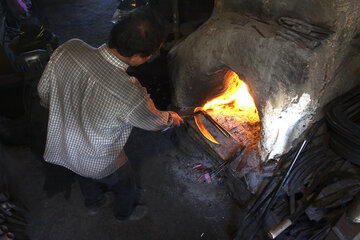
pixel 236 111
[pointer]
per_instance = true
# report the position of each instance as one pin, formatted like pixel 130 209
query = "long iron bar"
pixel 268 188
pixel 277 189
pixel 222 166
pixel 269 205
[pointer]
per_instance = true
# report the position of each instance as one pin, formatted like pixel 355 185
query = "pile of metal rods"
pixel 343 117
pixel 304 176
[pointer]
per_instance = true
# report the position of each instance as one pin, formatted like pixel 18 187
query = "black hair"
pixel 139 31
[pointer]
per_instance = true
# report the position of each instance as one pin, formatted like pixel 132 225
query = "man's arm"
pixel 44 86
pixel 47 76
pixel 146 116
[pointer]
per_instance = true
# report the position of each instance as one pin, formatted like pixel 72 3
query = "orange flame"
pixel 236 97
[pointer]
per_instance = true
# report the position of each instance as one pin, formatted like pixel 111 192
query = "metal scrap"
pixel 317 188
pixel 268 202
pixel 342 115
pixel 305 29
pixel 303 34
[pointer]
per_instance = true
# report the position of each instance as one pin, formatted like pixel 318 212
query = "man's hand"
pixel 176 120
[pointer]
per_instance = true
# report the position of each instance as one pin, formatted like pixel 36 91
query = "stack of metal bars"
pixel 306 198
pixel 343 117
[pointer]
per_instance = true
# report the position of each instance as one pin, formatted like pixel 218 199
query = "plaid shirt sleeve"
pixel 44 86
pixel 145 116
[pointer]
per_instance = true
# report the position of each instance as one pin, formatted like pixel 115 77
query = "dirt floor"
pixel 179 206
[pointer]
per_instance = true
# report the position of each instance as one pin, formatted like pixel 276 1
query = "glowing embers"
pixel 235 110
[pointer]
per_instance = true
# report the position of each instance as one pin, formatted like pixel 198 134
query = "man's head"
pixel 138 34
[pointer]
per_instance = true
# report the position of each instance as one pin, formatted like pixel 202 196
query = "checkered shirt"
pixel 93 106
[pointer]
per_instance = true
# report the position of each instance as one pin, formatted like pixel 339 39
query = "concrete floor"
pixel 179 206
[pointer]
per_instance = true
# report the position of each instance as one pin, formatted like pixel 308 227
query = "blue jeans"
pixel 122 183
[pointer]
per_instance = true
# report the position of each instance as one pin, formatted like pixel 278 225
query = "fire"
pixel 236 97
pixel 235 110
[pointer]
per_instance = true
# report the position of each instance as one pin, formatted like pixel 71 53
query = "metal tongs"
pixel 200 124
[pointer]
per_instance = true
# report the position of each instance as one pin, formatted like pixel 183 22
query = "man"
pixel 93 106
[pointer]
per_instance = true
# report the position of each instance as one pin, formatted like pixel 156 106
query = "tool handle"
pixel 278 229
pixel 191 115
